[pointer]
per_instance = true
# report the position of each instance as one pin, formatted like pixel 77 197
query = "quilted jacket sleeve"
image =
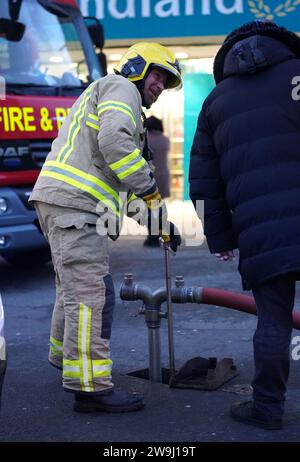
pixel 206 184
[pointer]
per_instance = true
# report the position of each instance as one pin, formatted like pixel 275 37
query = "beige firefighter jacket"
pixel 97 157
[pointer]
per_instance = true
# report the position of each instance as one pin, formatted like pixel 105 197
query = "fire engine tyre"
pixel 29 258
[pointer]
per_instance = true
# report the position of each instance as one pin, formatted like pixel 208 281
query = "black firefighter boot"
pixel 108 401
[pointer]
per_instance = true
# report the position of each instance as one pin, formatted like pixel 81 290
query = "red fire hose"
pixel 236 301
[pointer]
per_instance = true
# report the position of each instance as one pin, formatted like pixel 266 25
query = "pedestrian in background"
pixel 96 166
pixel 245 164
pixel 159 145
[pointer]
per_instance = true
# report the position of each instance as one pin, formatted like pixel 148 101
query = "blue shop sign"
pixel 146 19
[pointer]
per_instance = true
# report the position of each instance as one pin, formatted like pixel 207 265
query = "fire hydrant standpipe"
pixel 181 294
pixel 167 250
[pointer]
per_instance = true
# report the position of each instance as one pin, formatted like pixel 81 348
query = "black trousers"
pixel 275 301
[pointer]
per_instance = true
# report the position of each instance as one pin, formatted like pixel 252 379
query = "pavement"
pixel 36 409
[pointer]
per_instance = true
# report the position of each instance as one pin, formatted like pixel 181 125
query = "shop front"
pixel 194 30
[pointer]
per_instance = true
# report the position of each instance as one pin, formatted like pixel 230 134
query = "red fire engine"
pixel 49 54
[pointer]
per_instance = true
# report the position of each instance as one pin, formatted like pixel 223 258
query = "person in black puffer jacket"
pixel 245 164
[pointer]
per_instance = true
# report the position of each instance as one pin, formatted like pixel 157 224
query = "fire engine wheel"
pixel 29 258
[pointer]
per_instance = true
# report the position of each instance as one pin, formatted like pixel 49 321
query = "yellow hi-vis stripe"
pixel 129 159
pixel 94 117
pixel 117 106
pixel 77 184
pixel 93 121
pixel 56 347
pixel 94 126
pixel 119 163
pixel 74 127
pixel 84 176
pixel 84 181
pixel 133 197
pixel 132 169
pixel 101 368
pixel 84 332
pixel 71 368
pixel 115 103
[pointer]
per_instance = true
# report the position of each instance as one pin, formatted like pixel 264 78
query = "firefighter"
pixel 98 165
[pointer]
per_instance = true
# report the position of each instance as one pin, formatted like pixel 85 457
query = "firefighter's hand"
pixel 157 213
pixel 226 255
pixel 154 200
pixel 158 222
pixel 171 235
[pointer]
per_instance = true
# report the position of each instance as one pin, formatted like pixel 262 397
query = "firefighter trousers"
pixel 83 311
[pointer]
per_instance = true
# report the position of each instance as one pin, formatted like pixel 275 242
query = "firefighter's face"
pixel 155 84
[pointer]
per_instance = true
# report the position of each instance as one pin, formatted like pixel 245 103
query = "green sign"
pixel 144 19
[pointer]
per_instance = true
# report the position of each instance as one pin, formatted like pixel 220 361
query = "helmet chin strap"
pixel 140 86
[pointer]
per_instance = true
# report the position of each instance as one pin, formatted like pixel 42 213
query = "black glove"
pixel 171 235
pixel 157 220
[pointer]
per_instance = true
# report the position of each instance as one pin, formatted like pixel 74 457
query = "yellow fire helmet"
pixel 141 56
